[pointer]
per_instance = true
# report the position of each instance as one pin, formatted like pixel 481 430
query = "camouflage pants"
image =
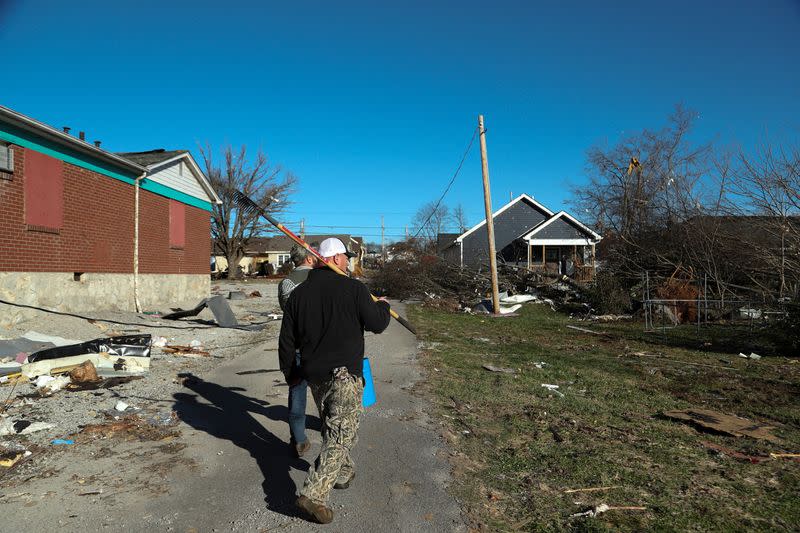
pixel 339 403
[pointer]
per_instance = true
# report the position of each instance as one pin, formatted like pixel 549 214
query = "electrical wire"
pixel 452 180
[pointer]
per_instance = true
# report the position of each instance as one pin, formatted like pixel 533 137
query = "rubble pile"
pixel 448 287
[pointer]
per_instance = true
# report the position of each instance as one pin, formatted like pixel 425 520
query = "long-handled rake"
pixel 249 206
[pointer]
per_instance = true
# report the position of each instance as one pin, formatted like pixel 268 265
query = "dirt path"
pixel 236 473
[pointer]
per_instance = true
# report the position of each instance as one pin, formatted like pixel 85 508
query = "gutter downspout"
pixel 136 302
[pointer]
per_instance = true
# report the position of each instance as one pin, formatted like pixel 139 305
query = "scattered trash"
pixel 121 406
pixel 47 385
pixel 9 458
pixel 540 365
pixel 22 427
pixel 159 342
pixel 751 356
pixel 603 508
pixel 254 294
pixel 722 423
pixel 491 368
pixel 610 318
pixel 186 351
pixel 237 295
pixel 785 455
pixel 274 316
pixel 65 442
pixel 219 308
pixel 196 344
pixel 584 330
pixel 127 345
pixel 84 373
pixel 129 427
pixel 553 388
pixel 732 453
pixel 517 299
pixel 131 352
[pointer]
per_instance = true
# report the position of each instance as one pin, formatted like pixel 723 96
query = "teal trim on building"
pixel 163 190
pixel 26 139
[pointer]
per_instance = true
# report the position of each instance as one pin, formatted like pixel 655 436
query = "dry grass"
pixel 517 447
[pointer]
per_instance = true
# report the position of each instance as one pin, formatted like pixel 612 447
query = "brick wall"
pixel 97 231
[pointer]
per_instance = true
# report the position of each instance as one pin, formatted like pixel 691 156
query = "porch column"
pixel 593 257
pixel 543 260
pixel 530 248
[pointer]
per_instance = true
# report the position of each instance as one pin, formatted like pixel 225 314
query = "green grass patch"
pixel 517 447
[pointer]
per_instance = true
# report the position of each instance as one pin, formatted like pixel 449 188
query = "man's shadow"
pixel 228 415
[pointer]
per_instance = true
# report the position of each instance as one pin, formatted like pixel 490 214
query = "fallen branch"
pixel 592 489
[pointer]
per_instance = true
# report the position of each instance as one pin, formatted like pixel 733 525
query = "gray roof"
pixel 151 157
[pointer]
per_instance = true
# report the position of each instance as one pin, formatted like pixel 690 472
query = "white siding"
pixel 187 183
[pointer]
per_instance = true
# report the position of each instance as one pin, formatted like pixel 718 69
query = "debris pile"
pixel 448 287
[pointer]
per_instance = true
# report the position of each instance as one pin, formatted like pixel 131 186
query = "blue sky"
pixel 372 104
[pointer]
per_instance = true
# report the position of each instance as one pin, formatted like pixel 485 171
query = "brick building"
pixel 68 223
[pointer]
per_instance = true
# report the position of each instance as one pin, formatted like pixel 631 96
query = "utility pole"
pixel 303 228
pixel 487 201
pixel 383 245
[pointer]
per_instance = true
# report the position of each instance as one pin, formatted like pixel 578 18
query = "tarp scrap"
pixel 722 423
pixel 126 345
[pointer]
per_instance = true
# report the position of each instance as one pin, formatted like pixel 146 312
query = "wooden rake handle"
pixel 405 323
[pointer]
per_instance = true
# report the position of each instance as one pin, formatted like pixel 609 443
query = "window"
pixel 177 224
pixel 282 258
pixel 44 192
pixel 6 160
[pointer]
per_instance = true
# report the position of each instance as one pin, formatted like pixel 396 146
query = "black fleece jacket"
pixel 325 318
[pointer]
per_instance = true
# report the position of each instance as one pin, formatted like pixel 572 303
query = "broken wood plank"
pixel 592 489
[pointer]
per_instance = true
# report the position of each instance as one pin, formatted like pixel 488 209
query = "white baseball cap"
pixel 332 246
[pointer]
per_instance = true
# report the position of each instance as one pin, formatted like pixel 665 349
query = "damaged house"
pixel 82 228
pixel 527 234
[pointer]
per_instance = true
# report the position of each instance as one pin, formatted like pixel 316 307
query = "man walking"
pixel 325 319
pixel 303 263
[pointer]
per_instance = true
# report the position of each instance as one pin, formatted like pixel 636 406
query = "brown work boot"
pixel 301 448
pixel 344 484
pixel 317 511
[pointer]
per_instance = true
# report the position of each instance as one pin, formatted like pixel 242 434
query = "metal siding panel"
pixel 186 184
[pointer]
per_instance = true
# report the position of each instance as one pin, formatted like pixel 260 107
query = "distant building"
pixel 275 250
pixel 526 233
pixel 68 223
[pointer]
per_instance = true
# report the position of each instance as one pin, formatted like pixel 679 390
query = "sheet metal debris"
pixel 492 368
pixel 723 423
pixel 217 305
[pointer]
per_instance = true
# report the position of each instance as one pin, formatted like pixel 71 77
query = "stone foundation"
pixel 60 291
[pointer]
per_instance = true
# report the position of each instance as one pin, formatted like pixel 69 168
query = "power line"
pixel 452 180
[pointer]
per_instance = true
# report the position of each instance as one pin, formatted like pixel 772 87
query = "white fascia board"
pixel 198 174
pixel 557 216
pixel 40 128
pixel 505 207
pixel 561 242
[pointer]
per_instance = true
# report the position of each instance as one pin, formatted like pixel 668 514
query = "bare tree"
pixel 430 220
pixel 266 184
pixel 765 194
pixel 459 217
pixel 643 190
